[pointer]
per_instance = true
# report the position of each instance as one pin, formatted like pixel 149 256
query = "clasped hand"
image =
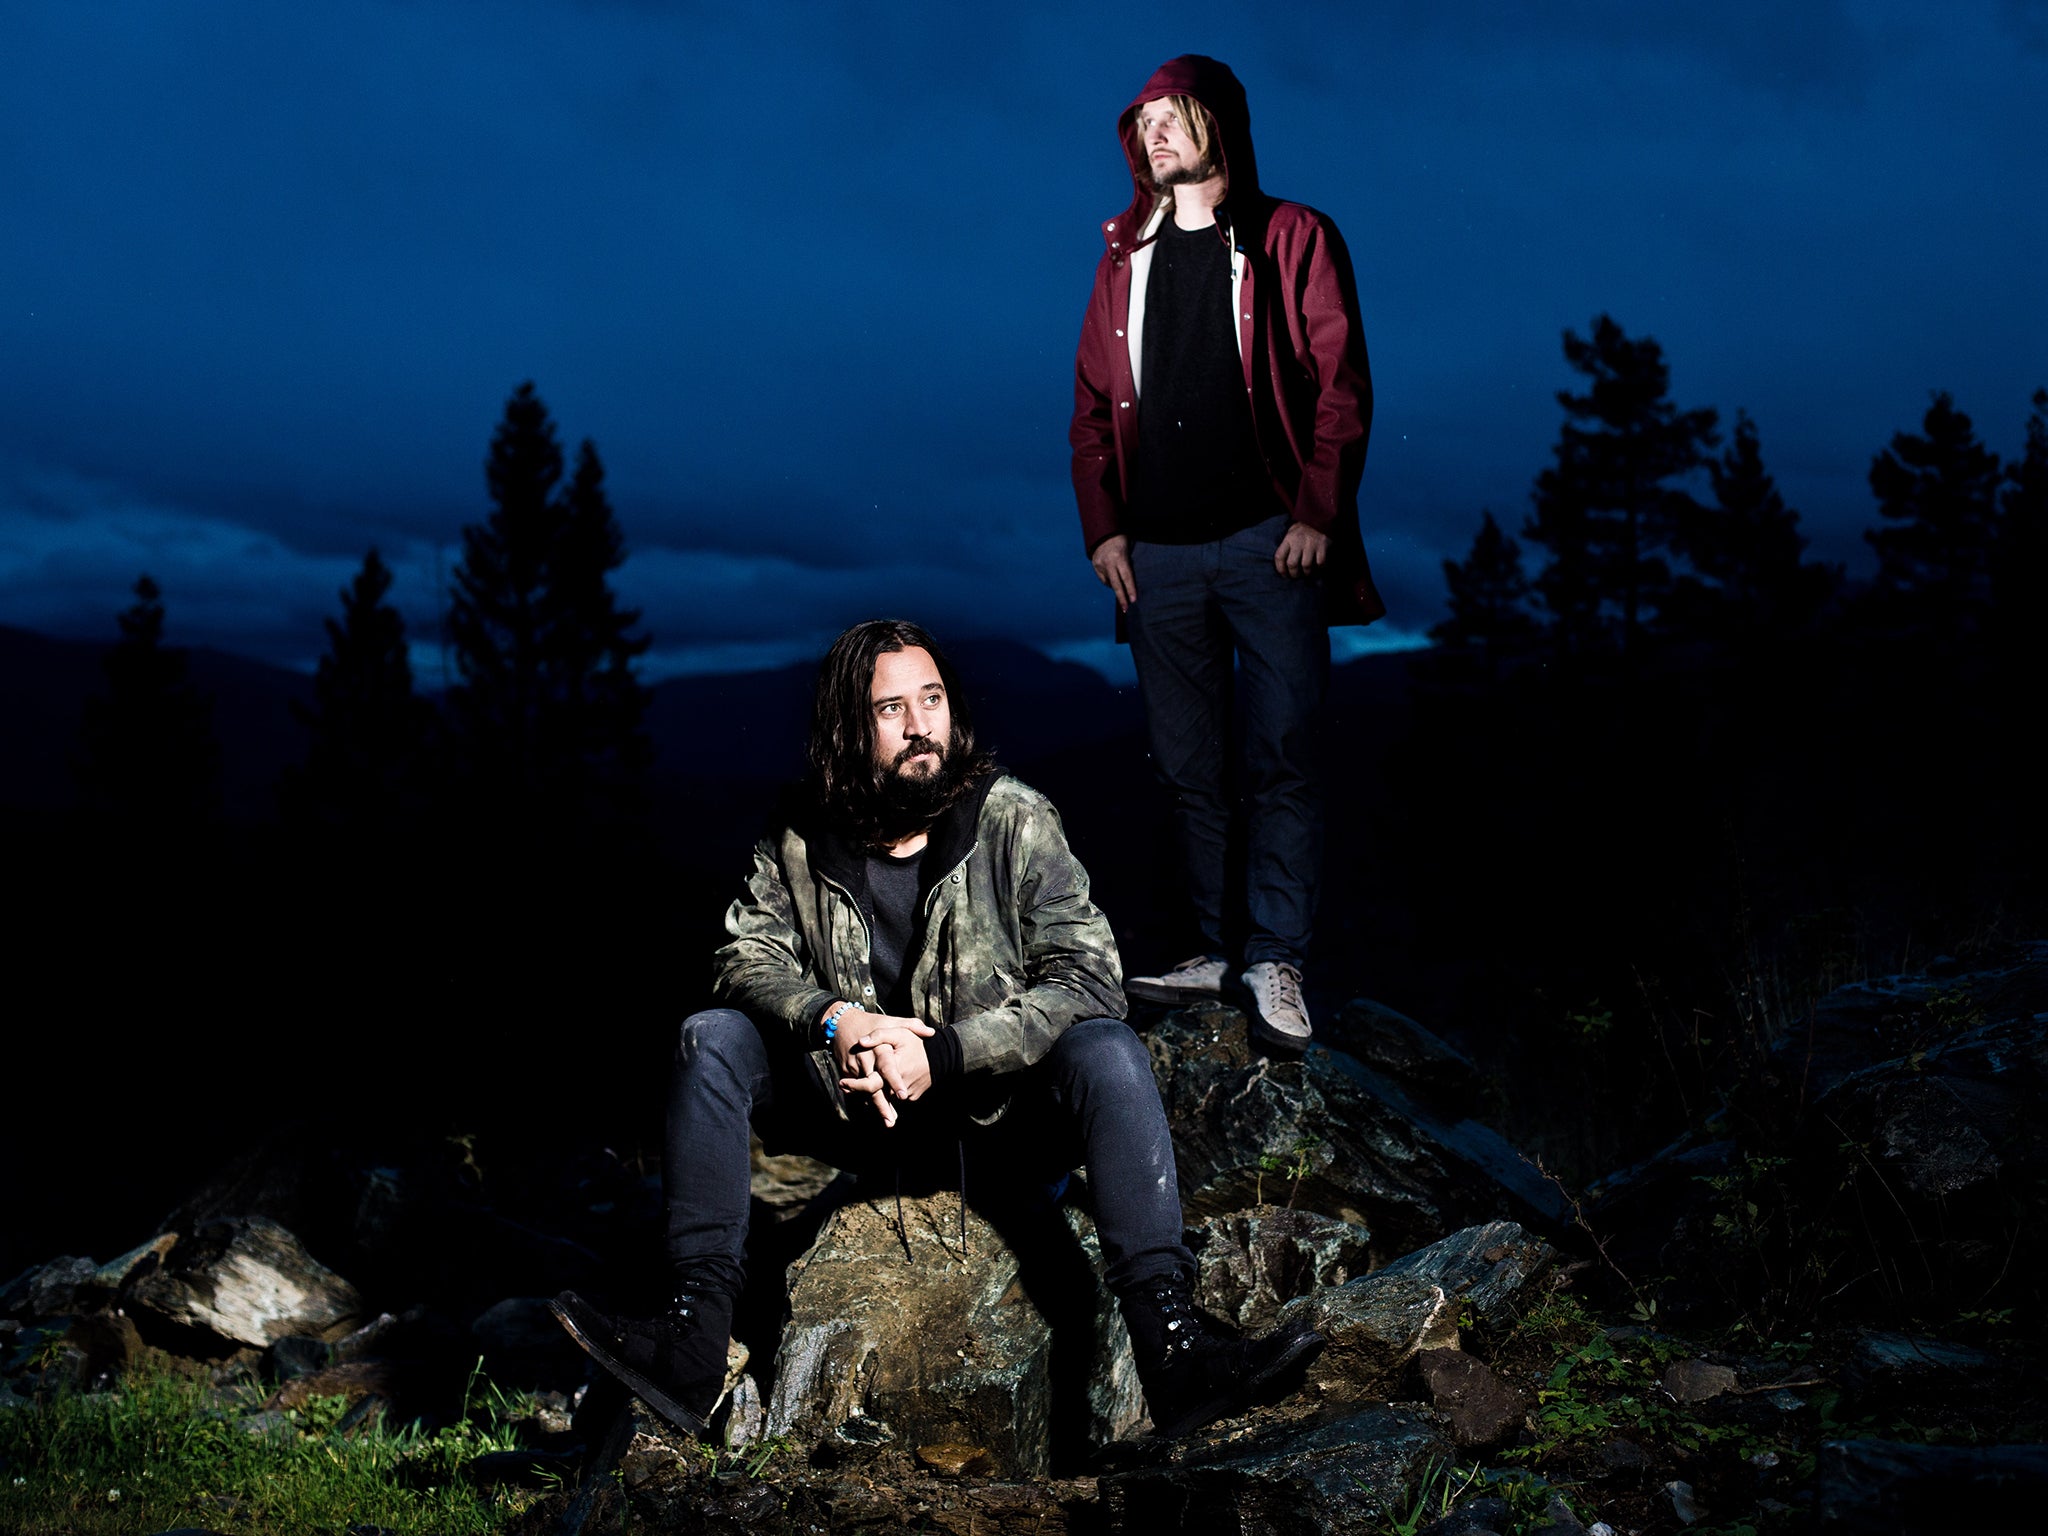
pixel 884 1058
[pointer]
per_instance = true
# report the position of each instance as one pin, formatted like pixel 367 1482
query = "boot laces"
pixel 1175 1305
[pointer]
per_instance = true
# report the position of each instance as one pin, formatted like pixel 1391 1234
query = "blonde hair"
pixel 1200 126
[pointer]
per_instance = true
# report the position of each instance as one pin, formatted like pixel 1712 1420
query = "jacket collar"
pixel 950 840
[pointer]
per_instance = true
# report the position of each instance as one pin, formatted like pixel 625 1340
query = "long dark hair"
pixel 847 785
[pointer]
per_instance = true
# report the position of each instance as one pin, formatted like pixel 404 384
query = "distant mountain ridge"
pixel 747 726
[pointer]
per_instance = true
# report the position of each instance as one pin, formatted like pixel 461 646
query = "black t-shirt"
pixel 893 913
pixel 1199 474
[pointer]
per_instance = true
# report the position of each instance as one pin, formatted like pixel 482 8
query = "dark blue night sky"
pixel 811 276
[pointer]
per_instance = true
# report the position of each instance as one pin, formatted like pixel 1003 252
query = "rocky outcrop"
pixel 1376 1324
pixel 1252 1262
pixel 246 1280
pixel 1352 1471
pixel 899 1337
pixel 1328 1133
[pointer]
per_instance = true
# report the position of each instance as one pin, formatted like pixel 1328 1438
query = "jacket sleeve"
pixel 1072 971
pixel 1327 295
pixel 1098 483
pixel 764 969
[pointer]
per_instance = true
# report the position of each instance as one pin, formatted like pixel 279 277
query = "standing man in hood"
pixel 1221 407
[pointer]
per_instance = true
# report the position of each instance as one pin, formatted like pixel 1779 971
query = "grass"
pixel 162 1450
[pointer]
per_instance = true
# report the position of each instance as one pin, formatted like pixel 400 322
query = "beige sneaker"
pixel 1279 1017
pixel 1192 981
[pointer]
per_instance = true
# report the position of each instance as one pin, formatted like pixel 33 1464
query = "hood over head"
pixel 1211 83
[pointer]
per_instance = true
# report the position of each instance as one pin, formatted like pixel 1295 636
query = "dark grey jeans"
pixel 1198 605
pixel 1090 1103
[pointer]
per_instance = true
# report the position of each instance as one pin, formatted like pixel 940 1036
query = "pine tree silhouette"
pixel 1606 510
pixel 1748 580
pixel 151 765
pixel 548 709
pixel 1939 492
pixel 1489 591
pixel 2019 571
pixel 603 701
pixel 365 760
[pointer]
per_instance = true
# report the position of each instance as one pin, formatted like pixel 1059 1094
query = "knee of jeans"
pixel 720 1033
pixel 1105 1050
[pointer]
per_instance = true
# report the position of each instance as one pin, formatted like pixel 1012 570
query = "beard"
pixel 1184 176
pixel 909 802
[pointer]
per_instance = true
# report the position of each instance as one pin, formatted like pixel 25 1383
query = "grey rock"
pixel 1891 1017
pixel 1349 1472
pixel 1683 1503
pixel 135 1263
pixel 657 1457
pixel 1475 1517
pixel 1887 1369
pixel 1888 1488
pixel 1489 1266
pixel 1483 1410
pixel 248 1280
pixel 1251 1262
pixel 784 1184
pixel 1558 1520
pixel 1372 1328
pixel 1395 1044
pixel 55 1289
pixel 1375 1324
pixel 1698 1381
pixel 1372 1152
pixel 1951 1103
pixel 900 1339
pixel 746 1420
pixel 1622 1458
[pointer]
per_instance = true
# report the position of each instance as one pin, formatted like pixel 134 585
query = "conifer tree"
pixel 1748 578
pixel 151 763
pixel 2019 572
pixel 364 762
pixel 548 708
pixel 1605 512
pixel 1489 593
pixel 1938 491
pixel 603 700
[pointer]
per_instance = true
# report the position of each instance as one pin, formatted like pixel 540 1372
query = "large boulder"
pixel 1945 1136
pixel 1328 1133
pixel 1376 1324
pixel 246 1280
pixel 899 1338
pixel 1250 1263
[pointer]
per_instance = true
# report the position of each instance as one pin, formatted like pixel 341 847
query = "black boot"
pixel 674 1363
pixel 1191 1376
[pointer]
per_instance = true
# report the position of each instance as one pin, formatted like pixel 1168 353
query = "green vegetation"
pixel 163 1450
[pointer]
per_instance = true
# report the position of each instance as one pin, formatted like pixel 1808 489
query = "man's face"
pixel 913 720
pixel 1169 148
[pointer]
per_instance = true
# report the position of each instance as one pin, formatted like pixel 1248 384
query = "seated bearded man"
pixel 916 974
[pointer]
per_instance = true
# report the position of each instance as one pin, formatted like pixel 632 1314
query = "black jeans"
pixel 1091 1102
pixel 1198 606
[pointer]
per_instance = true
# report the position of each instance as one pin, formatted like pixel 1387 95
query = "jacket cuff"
pixel 942 1052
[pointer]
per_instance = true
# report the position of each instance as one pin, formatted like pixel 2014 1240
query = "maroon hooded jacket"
pixel 1298 334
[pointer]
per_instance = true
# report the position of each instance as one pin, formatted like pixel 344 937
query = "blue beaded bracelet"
pixel 832 1021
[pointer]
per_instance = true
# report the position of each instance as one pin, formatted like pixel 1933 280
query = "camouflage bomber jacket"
pixel 1013 951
